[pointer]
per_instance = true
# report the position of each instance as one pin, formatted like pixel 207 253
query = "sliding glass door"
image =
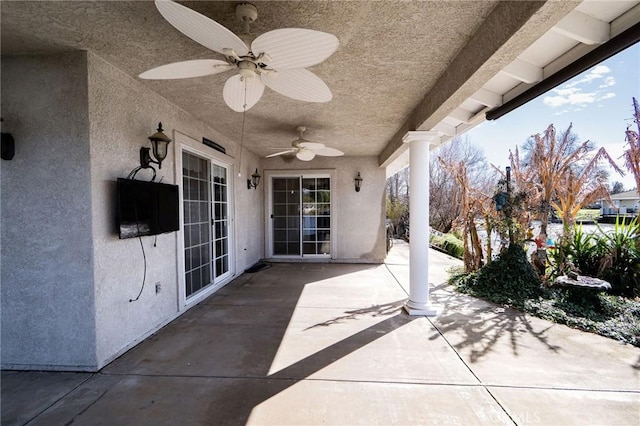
pixel 301 216
pixel 206 223
pixel 286 216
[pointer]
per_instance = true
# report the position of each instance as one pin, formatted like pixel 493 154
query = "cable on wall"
pixel 144 256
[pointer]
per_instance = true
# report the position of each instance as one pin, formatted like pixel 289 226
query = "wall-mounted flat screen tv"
pixel 147 208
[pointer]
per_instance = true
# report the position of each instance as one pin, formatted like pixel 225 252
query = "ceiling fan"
pixel 276 59
pixel 306 150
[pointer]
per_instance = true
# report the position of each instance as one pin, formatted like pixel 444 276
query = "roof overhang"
pixel 589 34
pixel 401 66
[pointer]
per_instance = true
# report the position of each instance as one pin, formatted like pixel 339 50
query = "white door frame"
pixel 268 199
pixel 186 143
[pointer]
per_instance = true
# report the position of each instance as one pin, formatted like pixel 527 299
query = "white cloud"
pixel 601 69
pixel 554 101
pixel 571 96
pixel 567 91
pixel 608 82
pixel 595 73
pixel 575 98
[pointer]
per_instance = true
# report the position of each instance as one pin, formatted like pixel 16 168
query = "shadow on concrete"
pixel 480 325
pixel 211 365
pixel 374 311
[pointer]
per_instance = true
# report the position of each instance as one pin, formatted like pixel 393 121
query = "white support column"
pixel 419 143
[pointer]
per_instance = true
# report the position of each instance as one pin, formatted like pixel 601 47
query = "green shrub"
pixel 586 250
pixel 612 316
pixel 508 279
pixel 612 256
pixel 448 244
pixel 620 262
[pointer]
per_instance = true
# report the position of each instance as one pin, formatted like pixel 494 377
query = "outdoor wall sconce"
pixel 358 181
pixel 159 143
pixel 254 181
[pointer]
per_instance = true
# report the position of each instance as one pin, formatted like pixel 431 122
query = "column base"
pixel 429 310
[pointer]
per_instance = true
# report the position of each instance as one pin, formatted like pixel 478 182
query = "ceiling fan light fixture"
pixel 305 154
pixel 247 69
pixel 306 150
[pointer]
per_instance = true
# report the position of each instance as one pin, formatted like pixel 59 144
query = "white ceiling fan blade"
pixel 329 152
pixel 299 84
pixel 305 155
pixel 295 47
pixel 289 151
pixel 238 90
pixel 187 69
pixel 199 28
pixel 311 145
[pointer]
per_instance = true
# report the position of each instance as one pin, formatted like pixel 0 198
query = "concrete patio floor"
pixel 303 344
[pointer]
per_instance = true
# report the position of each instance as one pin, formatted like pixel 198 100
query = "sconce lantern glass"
pixel 159 144
pixel 358 181
pixel 254 181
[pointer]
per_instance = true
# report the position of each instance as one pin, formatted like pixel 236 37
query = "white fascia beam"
pixel 487 98
pixel 583 28
pixel 523 71
pixel 445 128
pixel 461 115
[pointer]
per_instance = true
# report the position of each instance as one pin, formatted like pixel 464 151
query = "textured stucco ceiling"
pixel 391 55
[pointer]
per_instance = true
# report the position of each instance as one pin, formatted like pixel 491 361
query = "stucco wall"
pixel 47 254
pixel 249 218
pixel 123 113
pixel 67 279
pixel 360 230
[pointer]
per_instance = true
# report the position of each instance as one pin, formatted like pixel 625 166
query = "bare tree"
pixel 445 191
pixel 475 202
pixel 398 201
pixel 398 186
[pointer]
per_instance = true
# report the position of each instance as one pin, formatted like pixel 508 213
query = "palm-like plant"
pixel 577 188
pixel 620 263
pixel 561 182
pixel 632 154
pixel 586 251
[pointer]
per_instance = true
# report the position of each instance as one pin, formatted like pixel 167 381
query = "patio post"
pixel 419 145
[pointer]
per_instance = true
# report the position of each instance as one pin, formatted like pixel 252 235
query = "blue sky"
pixel 597 102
